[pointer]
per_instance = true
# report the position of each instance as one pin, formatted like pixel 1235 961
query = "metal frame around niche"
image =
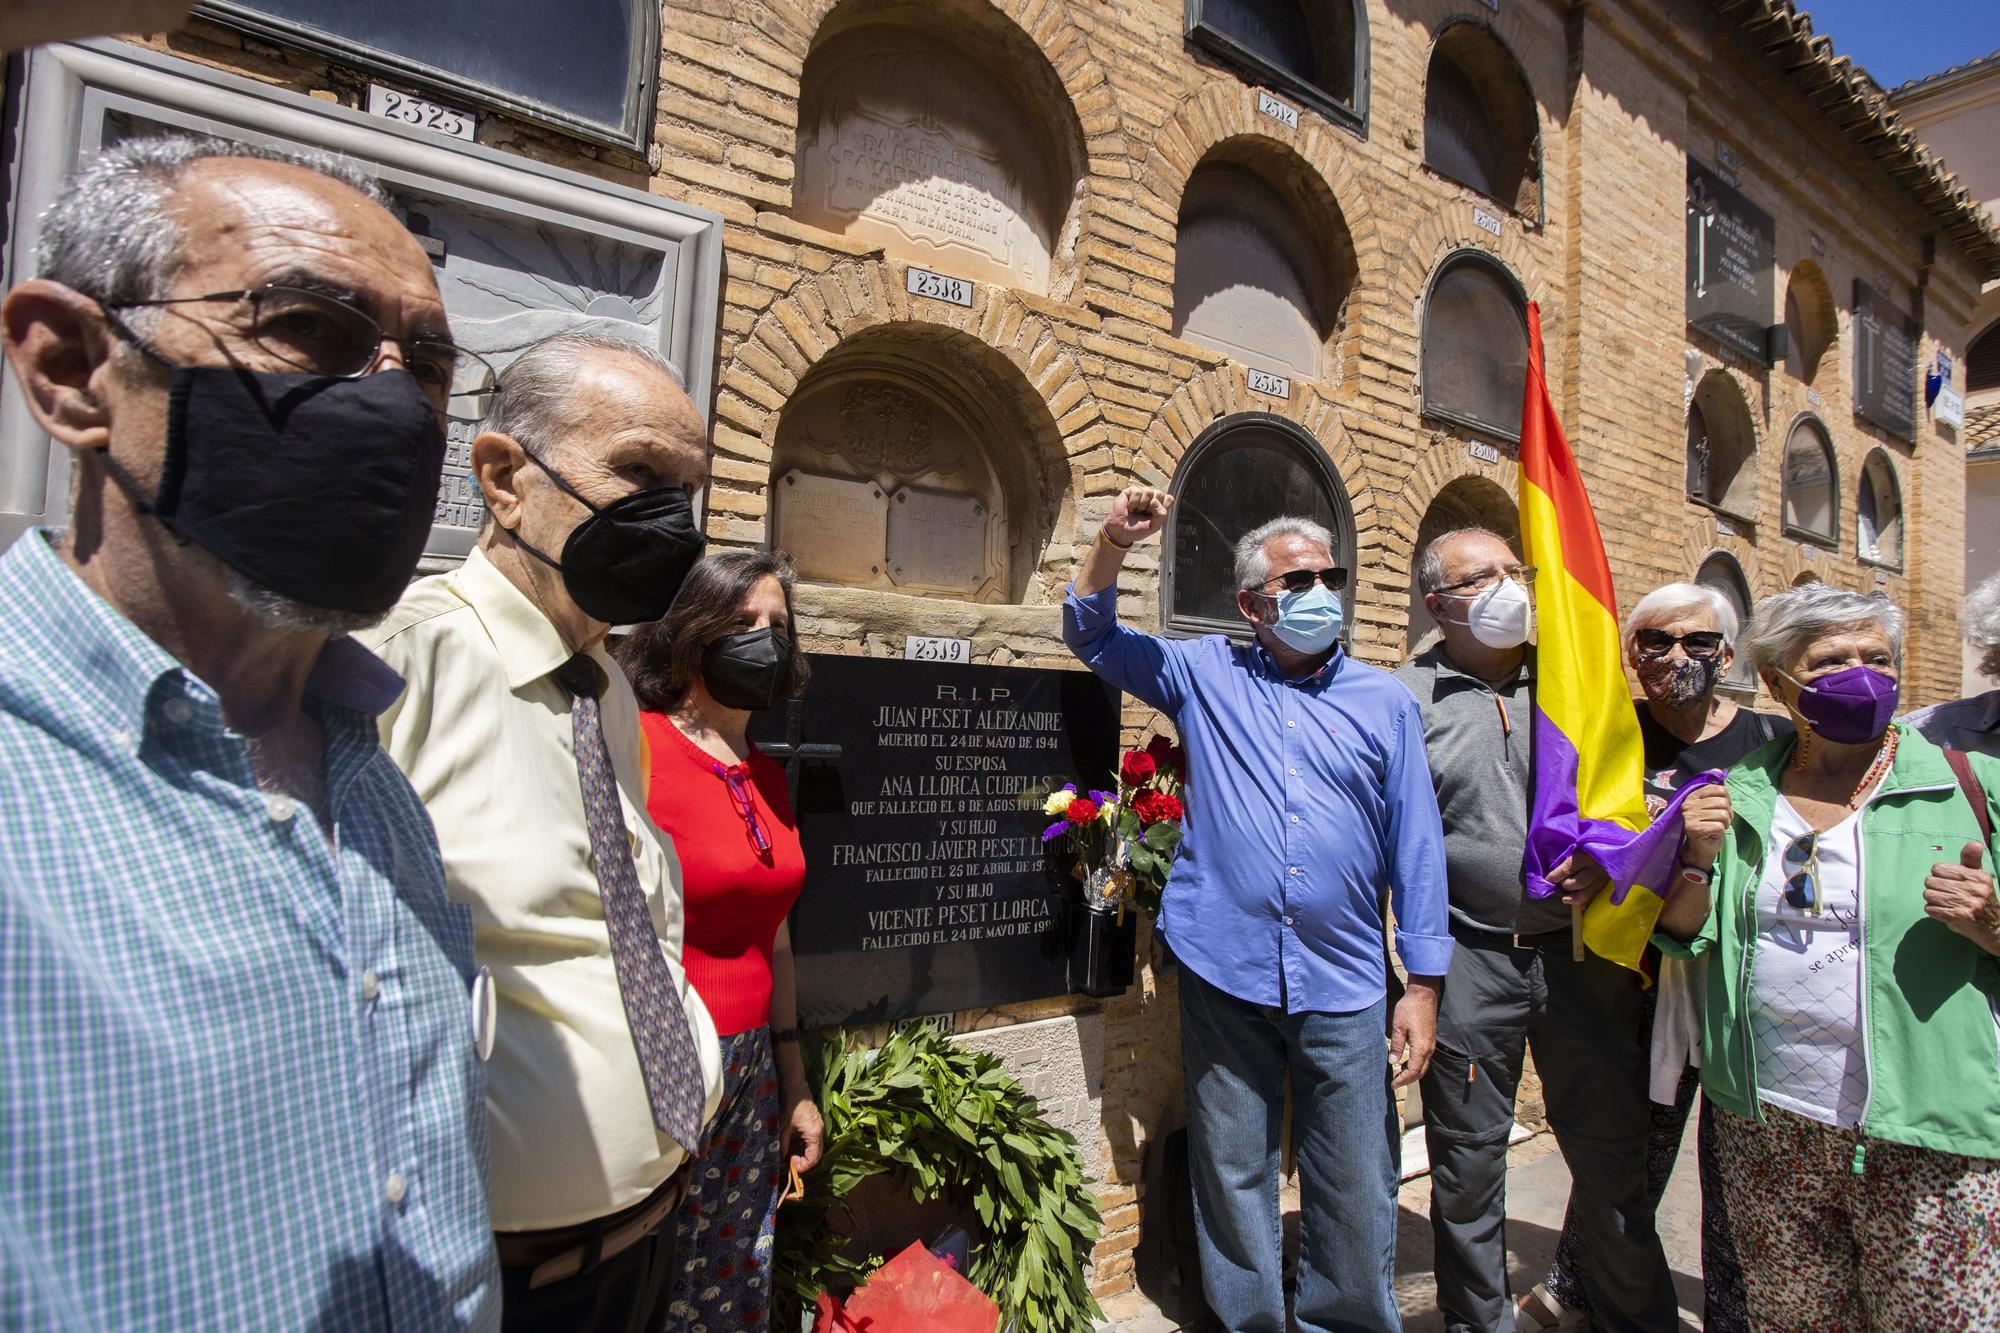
pixel 1466 256
pixel 632 135
pixel 1348 115
pixel 1215 440
pixel 69 89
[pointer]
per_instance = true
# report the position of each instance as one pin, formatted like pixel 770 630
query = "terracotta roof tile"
pixel 1856 106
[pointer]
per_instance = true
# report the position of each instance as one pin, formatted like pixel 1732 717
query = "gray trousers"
pixel 1583 1021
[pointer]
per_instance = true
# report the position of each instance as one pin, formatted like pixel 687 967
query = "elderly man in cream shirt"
pixel 523 739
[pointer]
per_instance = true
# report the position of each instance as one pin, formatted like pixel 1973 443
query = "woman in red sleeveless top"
pixel 726 650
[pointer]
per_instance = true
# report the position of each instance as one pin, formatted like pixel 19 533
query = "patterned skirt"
pixel 722 1238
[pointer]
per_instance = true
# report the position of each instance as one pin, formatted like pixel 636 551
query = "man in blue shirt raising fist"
pixel 1309 796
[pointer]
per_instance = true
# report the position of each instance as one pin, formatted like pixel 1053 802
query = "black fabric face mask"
pixel 747 670
pixel 625 563
pixel 320 489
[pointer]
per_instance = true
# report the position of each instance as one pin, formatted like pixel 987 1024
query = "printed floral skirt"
pixel 722 1239
pixel 1911 1241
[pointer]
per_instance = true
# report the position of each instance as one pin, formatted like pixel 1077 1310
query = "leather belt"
pixel 1547 941
pixel 569 1251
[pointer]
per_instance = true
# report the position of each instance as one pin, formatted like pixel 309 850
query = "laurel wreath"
pixel 934 1114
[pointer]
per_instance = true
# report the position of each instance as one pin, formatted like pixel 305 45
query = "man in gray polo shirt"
pixel 1512 982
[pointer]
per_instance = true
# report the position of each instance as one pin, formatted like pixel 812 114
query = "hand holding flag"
pixel 1589 798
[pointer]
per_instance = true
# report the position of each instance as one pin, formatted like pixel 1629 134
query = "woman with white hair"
pixel 1971 723
pixel 1851 1031
pixel 1680 641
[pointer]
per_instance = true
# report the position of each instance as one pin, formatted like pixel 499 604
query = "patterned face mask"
pixel 1679 682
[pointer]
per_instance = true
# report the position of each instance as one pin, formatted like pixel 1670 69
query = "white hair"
pixel 1663 606
pixel 1981 621
pixel 109 234
pixel 1785 624
pixel 1253 566
pixel 532 398
pixel 1430 564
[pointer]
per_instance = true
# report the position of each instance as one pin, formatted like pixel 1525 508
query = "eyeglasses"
pixel 1333 578
pixel 312 331
pixel 1696 643
pixel 1479 583
pixel 746 809
pixel 1801 863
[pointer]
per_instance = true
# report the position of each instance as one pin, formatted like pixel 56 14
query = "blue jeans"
pixel 1235 1056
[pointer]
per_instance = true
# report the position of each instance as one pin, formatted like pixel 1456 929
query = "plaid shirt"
pixel 238 1087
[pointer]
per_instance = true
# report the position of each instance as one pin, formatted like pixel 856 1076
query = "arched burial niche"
pixel 1238 473
pixel 1316 50
pixel 1721 446
pixel 1878 513
pixel 1811 321
pixel 939 132
pixel 881 475
pixel 1480 124
pixel 1812 496
pixel 1982 362
pixel 1721 572
pixel 1465 502
pixel 1263 261
pixel 1475 344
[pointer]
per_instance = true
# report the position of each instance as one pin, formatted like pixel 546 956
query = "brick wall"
pixel 1100 393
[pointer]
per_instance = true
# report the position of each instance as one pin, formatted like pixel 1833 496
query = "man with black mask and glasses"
pixel 522 737
pixel 238 1081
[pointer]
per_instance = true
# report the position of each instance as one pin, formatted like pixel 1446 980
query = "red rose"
pixel 1154 806
pixel 1159 748
pixel 1081 811
pixel 1138 768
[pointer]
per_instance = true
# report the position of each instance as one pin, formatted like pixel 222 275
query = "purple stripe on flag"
pixel 1557 830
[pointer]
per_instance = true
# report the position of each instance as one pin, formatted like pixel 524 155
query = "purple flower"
pixel 1104 797
pixel 1055 830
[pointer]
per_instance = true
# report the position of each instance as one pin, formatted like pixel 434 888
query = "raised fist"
pixel 1137 513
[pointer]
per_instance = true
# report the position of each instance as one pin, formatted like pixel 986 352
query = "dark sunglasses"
pixel 1333 578
pixel 1801 864
pixel 1696 643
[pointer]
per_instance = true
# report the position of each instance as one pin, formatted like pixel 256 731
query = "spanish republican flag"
pixel 1589 760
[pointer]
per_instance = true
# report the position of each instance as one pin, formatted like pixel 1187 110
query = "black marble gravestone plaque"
pixel 1732 249
pixel 928 888
pixel 1885 363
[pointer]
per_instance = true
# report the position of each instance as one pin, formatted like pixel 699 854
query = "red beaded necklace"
pixel 1883 758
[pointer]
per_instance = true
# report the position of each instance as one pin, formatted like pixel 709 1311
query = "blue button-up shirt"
pixel 238 1086
pixel 1305 799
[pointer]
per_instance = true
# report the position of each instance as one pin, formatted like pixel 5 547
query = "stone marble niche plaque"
pixel 937 540
pixel 1732 248
pixel 922 152
pixel 928 886
pixel 510 281
pixel 835 528
pixel 1885 363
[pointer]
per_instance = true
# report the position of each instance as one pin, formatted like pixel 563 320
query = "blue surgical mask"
pixel 1308 621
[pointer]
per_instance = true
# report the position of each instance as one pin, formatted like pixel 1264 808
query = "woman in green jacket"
pixel 1852 1028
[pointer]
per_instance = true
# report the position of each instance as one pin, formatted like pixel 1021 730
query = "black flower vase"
pixel 1101 949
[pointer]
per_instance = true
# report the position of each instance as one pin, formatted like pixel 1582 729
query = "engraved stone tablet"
pixel 937 540
pixel 906 142
pixel 834 528
pixel 509 282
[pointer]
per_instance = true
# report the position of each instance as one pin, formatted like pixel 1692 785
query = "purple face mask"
pixel 1850 707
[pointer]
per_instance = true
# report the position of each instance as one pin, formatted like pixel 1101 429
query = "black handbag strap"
pixel 1975 793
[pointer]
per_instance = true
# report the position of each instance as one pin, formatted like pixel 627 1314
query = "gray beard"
pixel 286 615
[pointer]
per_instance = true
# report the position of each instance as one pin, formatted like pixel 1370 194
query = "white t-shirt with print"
pixel 1805 982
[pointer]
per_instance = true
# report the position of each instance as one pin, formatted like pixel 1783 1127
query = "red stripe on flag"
pixel 1548 465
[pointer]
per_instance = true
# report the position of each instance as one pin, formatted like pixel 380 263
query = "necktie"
pixel 652 1003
